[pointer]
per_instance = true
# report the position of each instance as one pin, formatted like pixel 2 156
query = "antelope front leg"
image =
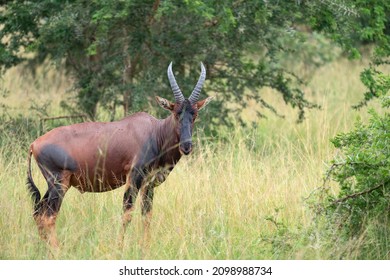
pixel 133 185
pixel 147 203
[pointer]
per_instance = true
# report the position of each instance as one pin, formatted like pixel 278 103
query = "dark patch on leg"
pixel 55 158
pixel 147 200
pixel 133 185
pixel 47 209
pixel 136 178
pixel 53 161
pixel 147 203
pixel 51 201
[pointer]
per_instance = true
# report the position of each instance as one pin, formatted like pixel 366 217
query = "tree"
pixel 117 51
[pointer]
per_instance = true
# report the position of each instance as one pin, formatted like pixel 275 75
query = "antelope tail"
pixel 35 195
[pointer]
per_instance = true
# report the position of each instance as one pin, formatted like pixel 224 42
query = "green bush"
pixel 360 210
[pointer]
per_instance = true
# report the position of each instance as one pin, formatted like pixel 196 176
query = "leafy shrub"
pixel 360 210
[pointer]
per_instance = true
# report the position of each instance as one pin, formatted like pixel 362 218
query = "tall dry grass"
pixel 240 199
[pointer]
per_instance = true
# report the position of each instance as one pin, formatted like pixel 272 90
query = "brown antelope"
pixel 138 151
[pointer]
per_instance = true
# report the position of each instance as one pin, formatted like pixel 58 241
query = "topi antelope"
pixel 138 151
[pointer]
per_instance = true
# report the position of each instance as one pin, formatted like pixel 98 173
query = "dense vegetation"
pixel 113 54
pixel 362 205
pixel 116 50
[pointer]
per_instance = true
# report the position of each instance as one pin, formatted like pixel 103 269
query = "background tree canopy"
pixel 117 51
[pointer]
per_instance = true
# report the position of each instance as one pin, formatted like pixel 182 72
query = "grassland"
pixel 241 199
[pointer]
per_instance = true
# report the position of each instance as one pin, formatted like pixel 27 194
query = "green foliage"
pixel 352 23
pixel 117 51
pixel 282 241
pixel 377 83
pixel 360 208
pixel 361 169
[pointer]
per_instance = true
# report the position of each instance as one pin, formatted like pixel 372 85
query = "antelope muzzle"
pixel 186 147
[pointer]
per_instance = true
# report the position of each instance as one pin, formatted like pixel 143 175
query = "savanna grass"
pixel 241 198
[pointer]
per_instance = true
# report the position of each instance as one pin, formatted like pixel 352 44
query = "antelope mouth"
pixel 186 153
pixel 185 149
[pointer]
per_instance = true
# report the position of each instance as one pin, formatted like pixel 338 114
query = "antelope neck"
pixel 168 138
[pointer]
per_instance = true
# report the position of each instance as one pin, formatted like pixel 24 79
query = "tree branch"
pixel 360 193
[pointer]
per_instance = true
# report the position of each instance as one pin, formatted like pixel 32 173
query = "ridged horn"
pixel 196 92
pixel 175 88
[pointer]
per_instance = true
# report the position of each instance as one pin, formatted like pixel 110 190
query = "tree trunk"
pixel 127 80
pixel 127 74
pixel 131 61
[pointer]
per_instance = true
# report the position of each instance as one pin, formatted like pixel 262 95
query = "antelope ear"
pixel 165 104
pixel 201 104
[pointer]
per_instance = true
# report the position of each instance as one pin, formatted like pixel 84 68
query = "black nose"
pixel 186 147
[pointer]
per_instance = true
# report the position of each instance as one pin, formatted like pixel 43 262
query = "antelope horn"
pixel 175 88
pixel 195 93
